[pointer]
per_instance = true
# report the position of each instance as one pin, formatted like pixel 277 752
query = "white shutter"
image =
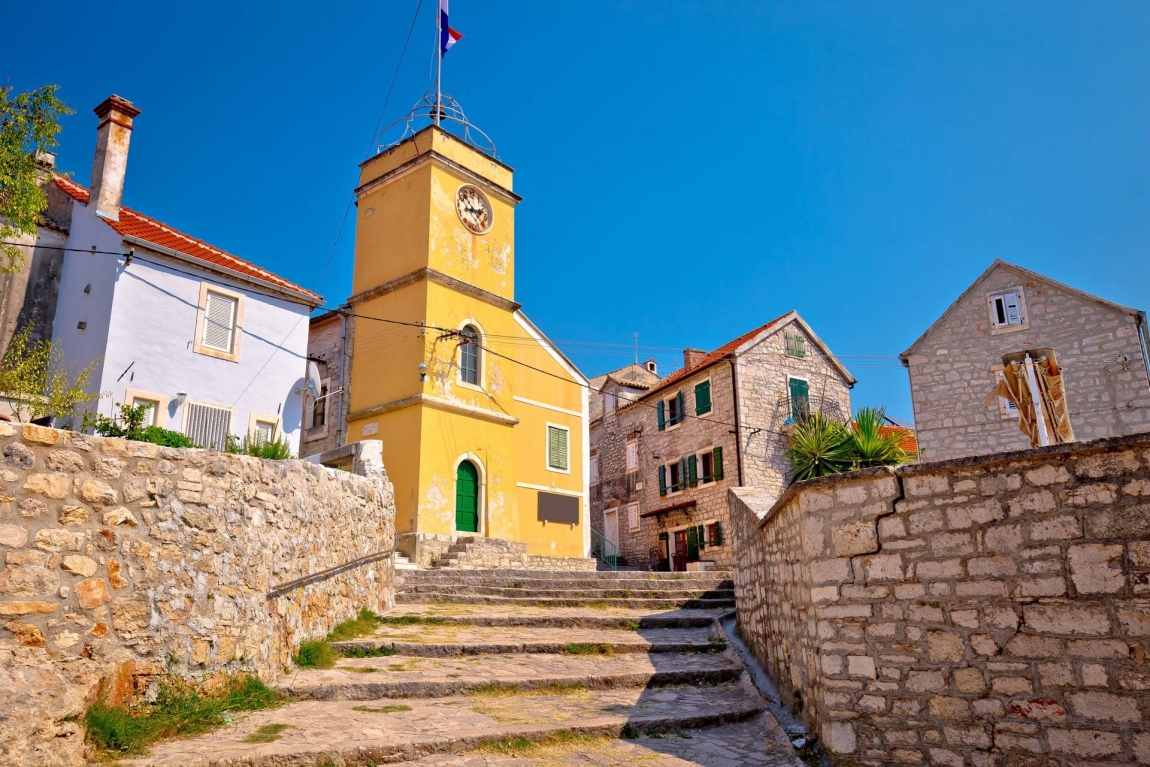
pixel 1013 311
pixel 219 322
pixel 594 468
pixel 265 432
pixel 632 455
pixel 633 516
pixel 150 407
pixel 208 426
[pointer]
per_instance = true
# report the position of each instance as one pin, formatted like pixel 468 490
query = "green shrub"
pixel 315 653
pixel 259 447
pixel 181 709
pixel 129 424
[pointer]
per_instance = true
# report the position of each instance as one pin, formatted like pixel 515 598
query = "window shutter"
pixel 662 415
pixel 219 322
pixel 718 468
pixel 557 448
pixel 718 533
pixel 703 398
pixel 682 473
pixel 208 426
pixel 679 399
pixel 662 480
pixel 701 537
pixel 692 470
pixel 632 455
pixel 1013 310
pixel 633 516
pixel 692 542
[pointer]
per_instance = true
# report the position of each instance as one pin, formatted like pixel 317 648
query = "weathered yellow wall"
pixel 392 225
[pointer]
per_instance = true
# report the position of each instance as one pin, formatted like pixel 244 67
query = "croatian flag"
pixel 447 36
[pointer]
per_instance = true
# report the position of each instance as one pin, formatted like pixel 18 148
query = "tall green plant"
pixel 874 442
pixel 29 123
pixel 129 424
pixel 818 447
pixel 39 382
pixel 260 447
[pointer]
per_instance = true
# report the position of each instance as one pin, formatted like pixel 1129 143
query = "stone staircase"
pixel 475 552
pixel 517 669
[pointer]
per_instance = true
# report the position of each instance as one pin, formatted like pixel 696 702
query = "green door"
pixel 467 498
pixel 800 397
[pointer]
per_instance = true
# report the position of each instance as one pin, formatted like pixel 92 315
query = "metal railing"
pixel 788 410
pixel 604 550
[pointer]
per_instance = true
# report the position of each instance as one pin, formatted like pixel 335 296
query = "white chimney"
pixel 113 135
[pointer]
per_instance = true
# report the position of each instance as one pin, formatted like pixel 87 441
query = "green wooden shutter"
pixel 692 471
pixel 701 537
pixel 557 448
pixel 661 412
pixel 800 397
pixel 703 398
pixel 679 397
pixel 692 543
pixel 662 480
pixel 682 473
pixel 718 458
pixel 718 533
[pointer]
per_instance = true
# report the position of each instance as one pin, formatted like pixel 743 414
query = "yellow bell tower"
pixel 483 421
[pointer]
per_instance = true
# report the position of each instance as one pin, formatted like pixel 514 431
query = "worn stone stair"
pixel 458 682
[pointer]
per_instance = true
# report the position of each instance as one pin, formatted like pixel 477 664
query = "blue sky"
pixel 690 170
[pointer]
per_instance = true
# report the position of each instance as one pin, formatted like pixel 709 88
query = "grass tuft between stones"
pixel 267 733
pixel 588 649
pixel 554 743
pixel 495 690
pixel 181 709
pixel 382 709
pixel 319 654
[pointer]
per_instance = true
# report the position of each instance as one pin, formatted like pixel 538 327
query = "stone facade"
pixel 991 611
pixel 168 561
pixel 327 348
pixel 1099 346
pixel 755 398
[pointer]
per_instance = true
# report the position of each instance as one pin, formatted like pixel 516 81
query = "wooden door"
pixel 467 498
pixel 679 558
pixel 611 528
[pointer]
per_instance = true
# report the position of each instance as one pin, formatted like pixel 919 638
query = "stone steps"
pixel 405 729
pixel 441 641
pixel 454 598
pixel 583 593
pixel 557 617
pixel 431 578
pixel 400 676
pixel 600 575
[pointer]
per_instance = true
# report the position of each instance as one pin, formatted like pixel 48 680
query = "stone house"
pixel 626 384
pixel 212 344
pixel 953 366
pixel 325 415
pixel 664 461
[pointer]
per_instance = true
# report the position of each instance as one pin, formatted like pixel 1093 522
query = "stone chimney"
pixel 692 357
pixel 112 137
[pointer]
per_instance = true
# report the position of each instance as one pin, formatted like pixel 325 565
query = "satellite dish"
pixel 313 382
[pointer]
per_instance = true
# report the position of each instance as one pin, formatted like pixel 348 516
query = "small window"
pixel 669 412
pixel 706 468
pixel 469 356
pixel 632 455
pixel 1008 310
pixel 219 322
pixel 594 468
pixel 702 398
pixel 557 448
pixel 633 516
pixel 1006 408
pixel 609 402
pixel 319 411
pixel 265 432
pixel 796 345
pixel 208 426
pixel 151 410
pixel 674 477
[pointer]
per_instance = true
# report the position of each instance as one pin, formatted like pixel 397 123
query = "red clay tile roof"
pixel 713 357
pixel 134 224
pixel 909 442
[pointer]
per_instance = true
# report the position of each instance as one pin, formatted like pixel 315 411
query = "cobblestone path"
pixel 545 683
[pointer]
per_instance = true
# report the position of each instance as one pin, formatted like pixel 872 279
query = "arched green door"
pixel 467 498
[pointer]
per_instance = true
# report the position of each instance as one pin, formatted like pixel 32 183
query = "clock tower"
pixel 483 421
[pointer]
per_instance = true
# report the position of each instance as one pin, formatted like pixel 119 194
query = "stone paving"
pixel 521 686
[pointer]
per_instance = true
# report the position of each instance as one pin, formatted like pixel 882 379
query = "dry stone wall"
pixel 986 612
pixel 122 553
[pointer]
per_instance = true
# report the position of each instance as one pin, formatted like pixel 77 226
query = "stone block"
pixel 59 539
pixel 1134 618
pixel 13 536
pixel 1104 706
pixel 30 580
pixel 940 570
pixel 861 666
pixel 92 593
pixel 996 566
pixel 948 707
pixel 855 538
pixel 41 435
pixel 883 567
pixel 79 565
pixel 26 607
pixel 969 680
pixel 73 515
pixel 1011 685
pixel 119 516
pixel 1067 619
pixel 840 737
pixel 1039 709
pixel 831 571
pixel 1085 743
pixel 925 485
pixel 64 461
pixel 944 647
pixel 1033 646
pixel 1058 528
pixel 1040 587
pixel 49 485
pixel 1096 568
pixel 98 493
pixel 1047 475
pixel 1111 464
pixel 26 634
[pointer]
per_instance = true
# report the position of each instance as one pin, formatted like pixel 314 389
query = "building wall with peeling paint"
pixel 423 275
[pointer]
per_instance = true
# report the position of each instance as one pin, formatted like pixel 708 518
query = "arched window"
pixel 469 356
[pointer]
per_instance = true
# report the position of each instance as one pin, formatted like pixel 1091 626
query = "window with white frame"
pixel 557 448
pixel 469 356
pixel 319 407
pixel 264 432
pixel 633 516
pixel 669 411
pixel 594 467
pixel 609 402
pixel 151 410
pixel 219 330
pixel 1008 310
pixel 632 455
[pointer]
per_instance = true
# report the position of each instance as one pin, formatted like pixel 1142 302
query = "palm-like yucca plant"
pixel 873 443
pixel 819 447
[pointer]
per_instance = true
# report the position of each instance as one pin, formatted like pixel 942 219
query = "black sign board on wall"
pixel 558 508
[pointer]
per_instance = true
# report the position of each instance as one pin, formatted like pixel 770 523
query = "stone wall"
pixel 171 561
pixel 990 611
pixel 951 367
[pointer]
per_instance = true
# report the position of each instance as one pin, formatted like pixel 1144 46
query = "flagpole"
pixel 439 60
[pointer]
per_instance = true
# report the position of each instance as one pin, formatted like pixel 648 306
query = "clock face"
pixel 473 208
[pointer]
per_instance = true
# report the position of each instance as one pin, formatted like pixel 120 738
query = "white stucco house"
pixel 214 344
